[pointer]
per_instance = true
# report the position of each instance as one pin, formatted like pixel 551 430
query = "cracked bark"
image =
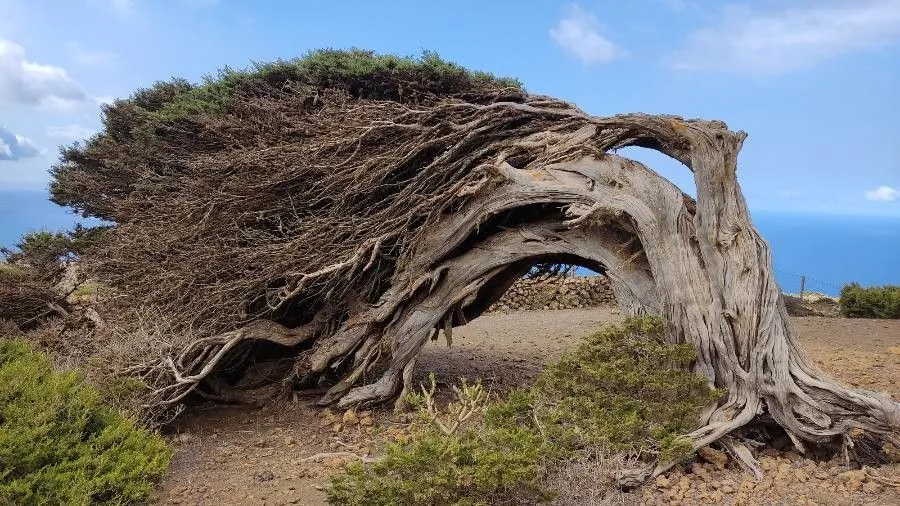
pixel 701 265
pixel 704 268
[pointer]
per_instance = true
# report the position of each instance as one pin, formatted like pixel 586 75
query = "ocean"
pixel 24 211
pixel 828 250
pixel 831 250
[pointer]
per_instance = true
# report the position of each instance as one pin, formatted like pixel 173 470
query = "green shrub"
pixel 59 444
pixel 474 467
pixel 623 389
pixel 446 465
pixel 35 274
pixel 871 302
pixel 46 254
pixel 29 274
pixel 44 251
pixel 626 390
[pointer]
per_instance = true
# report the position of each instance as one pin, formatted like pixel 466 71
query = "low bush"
pixel 473 467
pixel 871 302
pixel 37 278
pixel 623 390
pixel 626 390
pixel 445 465
pixel 60 444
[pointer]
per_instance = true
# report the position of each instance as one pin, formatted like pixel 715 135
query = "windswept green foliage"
pixel 623 389
pixel 871 302
pixel 234 172
pixel 29 273
pixel 168 108
pixel 364 74
pixel 48 253
pixel 59 444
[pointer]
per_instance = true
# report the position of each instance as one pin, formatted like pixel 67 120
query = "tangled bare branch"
pixel 470 400
pixel 312 223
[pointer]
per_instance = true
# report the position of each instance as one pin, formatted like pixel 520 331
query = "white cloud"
pixel 15 147
pixel 790 39
pixel 883 194
pixel 579 34
pixel 30 83
pixel 121 5
pixel 70 132
pixel 93 58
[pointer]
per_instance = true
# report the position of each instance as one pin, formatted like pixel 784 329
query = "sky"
pixel 815 83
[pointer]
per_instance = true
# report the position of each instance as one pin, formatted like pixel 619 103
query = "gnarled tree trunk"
pixel 557 194
pixel 703 266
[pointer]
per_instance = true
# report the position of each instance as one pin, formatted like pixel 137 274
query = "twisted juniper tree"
pixel 312 223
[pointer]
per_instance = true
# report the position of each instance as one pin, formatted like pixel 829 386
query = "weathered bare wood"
pixel 704 267
pixel 557 194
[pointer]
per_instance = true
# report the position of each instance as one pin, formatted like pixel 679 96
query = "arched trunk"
pixel 704 267
pixel 701 265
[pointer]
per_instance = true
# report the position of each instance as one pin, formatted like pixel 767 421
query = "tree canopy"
pixel 215 188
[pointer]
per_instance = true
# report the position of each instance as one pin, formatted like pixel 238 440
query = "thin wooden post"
pixel 802 285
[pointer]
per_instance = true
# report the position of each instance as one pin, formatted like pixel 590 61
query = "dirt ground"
pixel 272 456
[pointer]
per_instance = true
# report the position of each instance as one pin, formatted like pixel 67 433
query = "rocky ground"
pixel 284 454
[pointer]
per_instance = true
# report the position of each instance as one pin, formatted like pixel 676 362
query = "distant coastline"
pixel 830 250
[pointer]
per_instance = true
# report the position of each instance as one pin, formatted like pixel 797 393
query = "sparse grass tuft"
pixel 85 291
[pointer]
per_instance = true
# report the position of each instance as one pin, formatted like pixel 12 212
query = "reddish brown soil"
pixel 237 455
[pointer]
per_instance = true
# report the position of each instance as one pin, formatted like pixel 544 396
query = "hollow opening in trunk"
pixel 530 312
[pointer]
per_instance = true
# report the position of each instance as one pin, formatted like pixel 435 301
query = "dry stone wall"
pixel 556 293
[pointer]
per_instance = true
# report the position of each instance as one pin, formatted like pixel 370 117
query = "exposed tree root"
pixel 204 356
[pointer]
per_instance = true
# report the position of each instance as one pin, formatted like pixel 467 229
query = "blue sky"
pixel 816 83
